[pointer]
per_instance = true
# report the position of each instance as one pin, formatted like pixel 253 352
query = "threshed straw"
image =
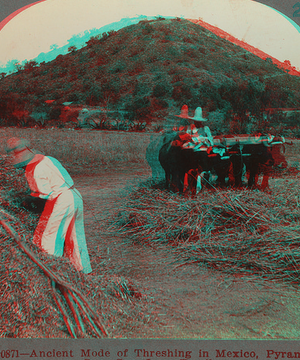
pixel 66 288
pixel 235 231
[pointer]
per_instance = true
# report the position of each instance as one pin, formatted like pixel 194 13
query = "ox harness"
pixel 229 145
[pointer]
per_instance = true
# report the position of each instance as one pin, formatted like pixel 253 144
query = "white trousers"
pixel 60 231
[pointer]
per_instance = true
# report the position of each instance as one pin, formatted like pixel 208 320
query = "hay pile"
pixel 27 305
pixel 235 231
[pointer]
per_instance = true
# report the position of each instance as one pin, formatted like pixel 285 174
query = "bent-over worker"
pixel 60 231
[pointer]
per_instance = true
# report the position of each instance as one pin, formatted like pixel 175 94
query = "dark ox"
pixel 180 164
pixel 262 159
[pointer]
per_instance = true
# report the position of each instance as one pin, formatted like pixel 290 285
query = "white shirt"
pixel 46 177
pixel 199 136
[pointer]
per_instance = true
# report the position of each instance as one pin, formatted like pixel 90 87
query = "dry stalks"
pixel 235 231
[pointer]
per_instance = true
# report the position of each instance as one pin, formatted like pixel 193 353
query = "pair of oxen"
pixel 256 154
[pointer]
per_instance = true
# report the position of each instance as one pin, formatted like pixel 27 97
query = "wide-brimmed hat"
pixel 19 151
pixel 184 112
pixel 198 115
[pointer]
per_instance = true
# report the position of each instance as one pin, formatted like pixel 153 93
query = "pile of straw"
pixel 235 231
pixel 27 305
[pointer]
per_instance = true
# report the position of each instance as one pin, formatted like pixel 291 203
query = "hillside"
pixel 286 65
pixel 150 70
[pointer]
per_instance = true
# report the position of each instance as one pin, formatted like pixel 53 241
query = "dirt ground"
pixel 190 302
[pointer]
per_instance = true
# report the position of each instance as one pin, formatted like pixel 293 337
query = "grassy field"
pixel 84 150
pixel 292 153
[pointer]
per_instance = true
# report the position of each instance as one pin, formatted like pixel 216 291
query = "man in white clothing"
pixel 60 231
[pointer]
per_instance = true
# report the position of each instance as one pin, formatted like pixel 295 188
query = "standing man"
pixel 60 231
pixel 200 134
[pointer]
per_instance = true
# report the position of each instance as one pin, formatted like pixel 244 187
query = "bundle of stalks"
pixel 32 307
pixel 235 231
pixel 28 297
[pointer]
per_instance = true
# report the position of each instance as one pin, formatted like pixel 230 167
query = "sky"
pixel 50 22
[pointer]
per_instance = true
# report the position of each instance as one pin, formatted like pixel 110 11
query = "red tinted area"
pixel 11 16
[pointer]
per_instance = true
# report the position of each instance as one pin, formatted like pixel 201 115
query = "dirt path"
pixel 190 302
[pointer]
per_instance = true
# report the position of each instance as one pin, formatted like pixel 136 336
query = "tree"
pixel 94 95
pixel 29 65
pixel 269 61
pixel 93 40
pixel 18 66
pixel 138 109
pixel 14 109
pixel 72 48
pixel 11 65
pixel 181 93
pixel 162 90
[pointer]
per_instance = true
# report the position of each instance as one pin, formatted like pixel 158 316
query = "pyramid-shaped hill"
pixel 152 68
pixel 223 34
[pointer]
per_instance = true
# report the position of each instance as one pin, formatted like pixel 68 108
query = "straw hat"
pixel 184 112
pixel 198 115
pixel 19 152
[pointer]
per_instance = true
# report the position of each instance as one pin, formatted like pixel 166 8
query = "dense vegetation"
pixel 149 70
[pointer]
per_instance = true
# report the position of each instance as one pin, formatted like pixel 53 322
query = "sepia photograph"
pixel 149 178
